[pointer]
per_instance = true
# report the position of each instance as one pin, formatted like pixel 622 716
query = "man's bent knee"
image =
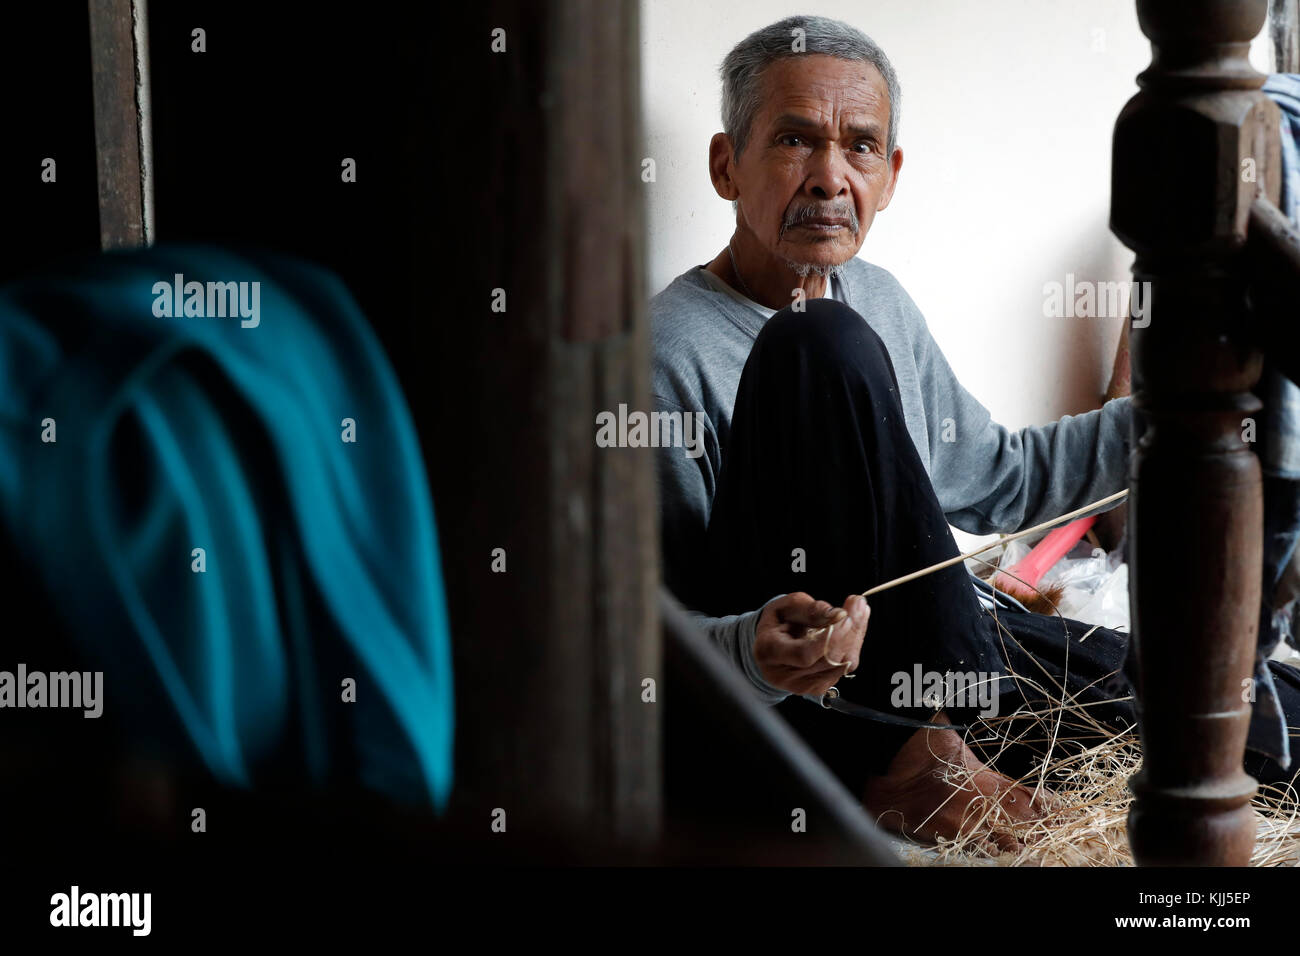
pixel 823 329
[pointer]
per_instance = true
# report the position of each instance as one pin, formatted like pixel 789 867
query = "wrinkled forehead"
pixel 824 89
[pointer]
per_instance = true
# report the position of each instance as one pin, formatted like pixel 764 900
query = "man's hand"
pixel 914 799
pixel 792 661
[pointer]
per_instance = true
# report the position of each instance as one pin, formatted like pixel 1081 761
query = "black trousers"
pixel 822 490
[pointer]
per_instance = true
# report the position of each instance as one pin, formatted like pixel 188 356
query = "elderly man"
pixel 839 446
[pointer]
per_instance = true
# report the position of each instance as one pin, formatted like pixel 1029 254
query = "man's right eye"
pixel 790 139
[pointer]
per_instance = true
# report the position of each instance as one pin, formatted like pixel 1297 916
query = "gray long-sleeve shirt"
pixel 988 478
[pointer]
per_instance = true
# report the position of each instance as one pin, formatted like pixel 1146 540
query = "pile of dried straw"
pixel 1089 784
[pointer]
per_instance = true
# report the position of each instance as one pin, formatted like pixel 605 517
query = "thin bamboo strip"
pixel 977 551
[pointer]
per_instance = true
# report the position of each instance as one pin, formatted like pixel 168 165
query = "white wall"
pixel 1008 109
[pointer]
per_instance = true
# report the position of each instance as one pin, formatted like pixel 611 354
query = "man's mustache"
pixel 802 214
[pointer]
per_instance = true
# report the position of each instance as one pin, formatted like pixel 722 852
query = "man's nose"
pixel 828 173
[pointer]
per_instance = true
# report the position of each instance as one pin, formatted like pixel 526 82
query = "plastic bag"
pixel 1095 583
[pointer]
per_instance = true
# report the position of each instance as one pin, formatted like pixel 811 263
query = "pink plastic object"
pixel 1031 568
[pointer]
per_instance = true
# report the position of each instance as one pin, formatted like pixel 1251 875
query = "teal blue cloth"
pixel 184 432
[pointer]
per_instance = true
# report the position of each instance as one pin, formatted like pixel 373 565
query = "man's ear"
pixel 895 166
pixel 720 166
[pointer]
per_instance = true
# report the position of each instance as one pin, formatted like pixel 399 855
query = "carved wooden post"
pixel 1191 151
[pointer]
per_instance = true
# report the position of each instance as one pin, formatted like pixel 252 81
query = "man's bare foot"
pixel 915 799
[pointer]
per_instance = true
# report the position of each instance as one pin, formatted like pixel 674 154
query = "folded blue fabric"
pixel 1279 437
pixel 1284 90
pixel 225 432
pixel 1279 458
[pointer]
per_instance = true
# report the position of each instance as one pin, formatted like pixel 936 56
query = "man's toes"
pixel 1006 841
pixel 1050 802
pixel 1019 804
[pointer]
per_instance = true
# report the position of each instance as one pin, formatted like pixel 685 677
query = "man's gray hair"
pixel 743 68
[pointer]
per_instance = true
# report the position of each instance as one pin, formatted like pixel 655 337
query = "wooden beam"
pixel 1191 152
pixel 551 652
pixel 119 55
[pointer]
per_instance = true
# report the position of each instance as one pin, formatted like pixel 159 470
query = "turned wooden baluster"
pixel 1191 152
